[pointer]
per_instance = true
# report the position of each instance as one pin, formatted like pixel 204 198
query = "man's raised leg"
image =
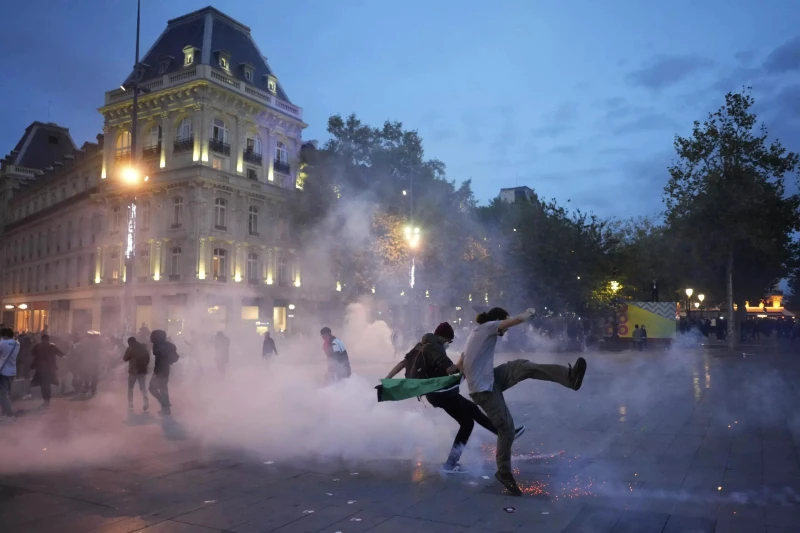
pixel 509 374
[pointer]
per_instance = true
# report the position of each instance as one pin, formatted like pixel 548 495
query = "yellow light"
pixel 269 280
pixel 146 178
pixel 237 278
pixel 689 293
pixel 696 305
pixel 402 293
pixel 404 193
pixel 9 306
pixel 156 276
pixel 23 306
pixel 373 290
pixel 407 231
pixel 701 297
pixel 297 283
pixel 130 174
pixel 416 231
pixel 291 307
pixel 338 286
pixel 615 286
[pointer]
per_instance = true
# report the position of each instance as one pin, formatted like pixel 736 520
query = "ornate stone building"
pixel 217 142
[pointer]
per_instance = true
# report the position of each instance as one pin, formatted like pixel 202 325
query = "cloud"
pixel 650 121
pixel 558 121
pixel 785 58
pixel 665 71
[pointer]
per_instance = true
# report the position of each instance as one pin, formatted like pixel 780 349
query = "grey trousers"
pixel 132 380
pixel 494 405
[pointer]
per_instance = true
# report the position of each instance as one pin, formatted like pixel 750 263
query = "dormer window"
pixel 162 67
pixel 189 53
pixel 247 70
pixel 224 59
pixel 272 83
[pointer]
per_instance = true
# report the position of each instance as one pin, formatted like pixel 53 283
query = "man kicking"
pixel 486 382
pixel 429 359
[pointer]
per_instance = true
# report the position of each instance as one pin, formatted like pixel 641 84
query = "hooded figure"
pixel 165 356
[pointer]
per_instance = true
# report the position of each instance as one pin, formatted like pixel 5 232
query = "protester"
pixel 644 336
pixel 165 356
pixel 428 359
pixel 268 349
pixel 138 358
pixel 9 351
pixel 487 383
pixel 222 347
pixel 637 338
pixel 88 358
pixel 46 368
pixel 338 360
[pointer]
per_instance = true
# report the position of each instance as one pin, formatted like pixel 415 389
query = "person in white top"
pixel 9 350
pixel 487 383
pixel 338 360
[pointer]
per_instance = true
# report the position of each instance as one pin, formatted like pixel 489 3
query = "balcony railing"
pixel 123 156
pixel 252 157
pixel 282 167
pixel 217 77
pixel 219 147
pixel 183 145
pixel 152 152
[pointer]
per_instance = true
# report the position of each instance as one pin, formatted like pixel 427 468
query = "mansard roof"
pixel 208 31
pixel 40 145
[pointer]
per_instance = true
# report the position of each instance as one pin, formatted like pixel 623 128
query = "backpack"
pixel 417 363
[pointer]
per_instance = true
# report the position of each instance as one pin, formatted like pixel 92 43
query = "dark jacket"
pixel 222 346
pixel 44 358
pixel 269 348
pixel 164 352
pixel 138 358
pixel 436 360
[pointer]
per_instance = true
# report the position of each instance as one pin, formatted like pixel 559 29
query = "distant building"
pixel 517 194
pixel 218 140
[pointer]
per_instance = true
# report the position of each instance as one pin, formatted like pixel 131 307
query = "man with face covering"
pixel 429 359
pixel 486 382
pixel 165 356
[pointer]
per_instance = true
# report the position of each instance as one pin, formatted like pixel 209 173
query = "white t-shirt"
pixel 479 357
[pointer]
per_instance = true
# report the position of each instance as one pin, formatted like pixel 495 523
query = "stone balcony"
pixel 215 76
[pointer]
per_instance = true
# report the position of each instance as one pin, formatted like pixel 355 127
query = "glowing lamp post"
pixel 689 293
pixel 701 297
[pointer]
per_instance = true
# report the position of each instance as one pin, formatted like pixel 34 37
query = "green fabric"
pixel 393 390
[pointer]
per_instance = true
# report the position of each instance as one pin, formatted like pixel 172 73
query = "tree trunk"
pixel 731 316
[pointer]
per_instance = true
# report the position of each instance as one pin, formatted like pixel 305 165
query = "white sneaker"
pixel 457 469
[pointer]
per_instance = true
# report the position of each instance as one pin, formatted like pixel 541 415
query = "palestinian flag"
pixel 394 390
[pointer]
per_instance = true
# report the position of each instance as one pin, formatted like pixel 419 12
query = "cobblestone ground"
pixel 655 442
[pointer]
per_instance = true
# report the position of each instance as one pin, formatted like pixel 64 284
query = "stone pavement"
pixel 676 442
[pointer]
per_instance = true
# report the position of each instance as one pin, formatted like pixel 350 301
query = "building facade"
pixel 217 158
pixel 514 195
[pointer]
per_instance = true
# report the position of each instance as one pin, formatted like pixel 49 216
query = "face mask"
pixel 447 344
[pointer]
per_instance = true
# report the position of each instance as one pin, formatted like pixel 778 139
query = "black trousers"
pixel 462 411
pixel 159 388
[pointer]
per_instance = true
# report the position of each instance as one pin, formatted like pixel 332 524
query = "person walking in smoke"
pixel 268 349
pixel 88 353
pixel 487 383
pixel 222 346
pixel 9 351
pixel 428 359
pixel 338 360
pixel 46 368
pixel 165 356
pixel 138 358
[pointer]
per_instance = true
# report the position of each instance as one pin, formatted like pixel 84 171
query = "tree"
pixel 726 197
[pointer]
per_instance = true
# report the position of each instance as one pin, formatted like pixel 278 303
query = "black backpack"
pixel 417 363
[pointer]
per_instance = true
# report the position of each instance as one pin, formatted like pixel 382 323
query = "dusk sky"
pixel 579 100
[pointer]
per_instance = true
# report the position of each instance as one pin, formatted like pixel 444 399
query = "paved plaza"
pixel 686 441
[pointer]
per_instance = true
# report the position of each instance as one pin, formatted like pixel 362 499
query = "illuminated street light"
pixel 689 293
pixel 697 305
pixel 701 297
pixel 615 286
pixel 130 175
pixel 405 193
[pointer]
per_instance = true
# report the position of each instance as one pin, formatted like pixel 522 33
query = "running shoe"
pixel 507 480
pixel 576 373
pixel 454 469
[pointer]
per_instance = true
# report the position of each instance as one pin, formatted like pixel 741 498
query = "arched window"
pixel 253 144
pixel 283 272
pixel 153 137
pixel 220 212
pixel 177 211
pixel 219 132
pixel 123 144
pixel 252 266
pixel 175 261
pixel 116 218
pixel 252 221
pixel 184 132
pixel 219 264
pixel 281 153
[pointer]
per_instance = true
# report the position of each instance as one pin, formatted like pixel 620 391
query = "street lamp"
pixel 689 293
pixel 697 305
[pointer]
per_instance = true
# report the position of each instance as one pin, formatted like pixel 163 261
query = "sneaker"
pixel 519 431
pixel 454 469
pixel 576 373
pixel 28 397
pixel 507 480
